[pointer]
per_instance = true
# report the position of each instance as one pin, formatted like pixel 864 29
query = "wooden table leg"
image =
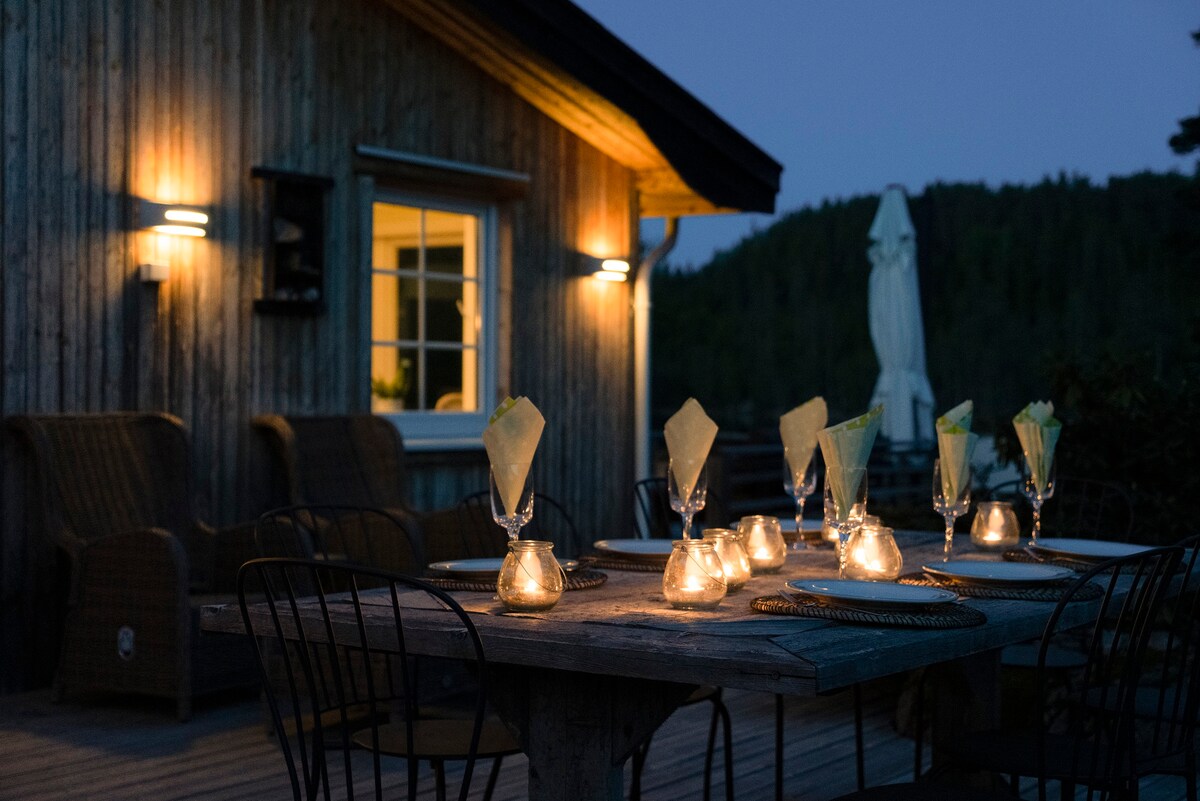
pixel 578 728
pixel 966 695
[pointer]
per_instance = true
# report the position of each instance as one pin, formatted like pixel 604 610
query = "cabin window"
pixel 432 332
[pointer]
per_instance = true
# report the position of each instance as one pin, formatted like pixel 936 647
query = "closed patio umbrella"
pixel 894 316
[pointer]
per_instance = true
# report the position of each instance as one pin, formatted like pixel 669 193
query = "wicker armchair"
pixel 343 460
pixel 114 491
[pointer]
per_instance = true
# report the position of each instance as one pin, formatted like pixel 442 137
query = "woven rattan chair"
pixel 327 743
pixel 1085 733
pixel 341 460
pixel 114 492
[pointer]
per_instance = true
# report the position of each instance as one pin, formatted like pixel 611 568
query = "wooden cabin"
pixel 401 201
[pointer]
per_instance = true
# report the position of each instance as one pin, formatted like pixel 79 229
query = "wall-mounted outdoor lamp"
pixel 170 219
pixel 167 218
pixel 612 270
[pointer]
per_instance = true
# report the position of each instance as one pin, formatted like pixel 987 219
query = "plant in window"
pixel 395 388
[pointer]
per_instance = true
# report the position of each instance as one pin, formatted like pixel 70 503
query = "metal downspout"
pixel 641 347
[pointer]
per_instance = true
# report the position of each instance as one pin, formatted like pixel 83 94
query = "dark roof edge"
pixel 711 156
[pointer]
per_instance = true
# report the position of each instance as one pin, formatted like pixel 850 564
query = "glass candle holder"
pixel 694 577
pixel 995 525
pixel 764 543
pixel 734 561
pixel 531 579
pixel 874 555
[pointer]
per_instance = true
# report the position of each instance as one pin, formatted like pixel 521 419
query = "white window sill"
pixel 438 431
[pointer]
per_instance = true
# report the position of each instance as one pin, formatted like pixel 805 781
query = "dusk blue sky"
pixel 851 95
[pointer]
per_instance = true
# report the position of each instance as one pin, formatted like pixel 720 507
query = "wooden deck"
pixel 98 750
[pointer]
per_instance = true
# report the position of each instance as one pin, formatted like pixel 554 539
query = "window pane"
pixel 397 236
pixel 443 311
pixel 446 240
pixel 393 379
pixel 443 380
pixel 394 304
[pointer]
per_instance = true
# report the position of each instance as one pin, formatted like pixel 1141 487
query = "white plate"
pixel 1096 550
pixel 873 594
pixel 652 550
pixel 997 573
pixel 481 568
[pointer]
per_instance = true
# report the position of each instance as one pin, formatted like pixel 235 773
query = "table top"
pixel 626 628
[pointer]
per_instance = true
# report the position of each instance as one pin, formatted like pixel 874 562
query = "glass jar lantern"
pixel 694 577
pixel 995 525
pixel 874 555
pixel 763 538
pixel 531 579
pixel 734 561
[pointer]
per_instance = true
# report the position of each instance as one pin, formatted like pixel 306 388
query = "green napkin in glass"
pixel 956 444
pixel 1038 431
pixel 846 447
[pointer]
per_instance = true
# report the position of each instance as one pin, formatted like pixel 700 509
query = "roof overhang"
pixel 555 56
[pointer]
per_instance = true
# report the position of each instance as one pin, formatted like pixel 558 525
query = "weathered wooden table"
pixel 583 683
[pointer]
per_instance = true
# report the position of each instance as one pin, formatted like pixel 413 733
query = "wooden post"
pixel 578 729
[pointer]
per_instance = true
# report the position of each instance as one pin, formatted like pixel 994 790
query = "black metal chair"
pixel 311 618
pixel 1082 508
pixel 652 517
pixel 1085 730
pixel 353 535
pixel 1168 695
pixel 481 536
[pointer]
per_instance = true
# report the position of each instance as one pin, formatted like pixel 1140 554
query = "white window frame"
pixel 430 430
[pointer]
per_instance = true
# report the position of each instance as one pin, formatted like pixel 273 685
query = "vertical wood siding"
pixel 175 100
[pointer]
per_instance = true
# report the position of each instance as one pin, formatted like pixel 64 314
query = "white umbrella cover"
pixel 894 317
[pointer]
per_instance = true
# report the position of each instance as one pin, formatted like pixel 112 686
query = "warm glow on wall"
pixel 172 219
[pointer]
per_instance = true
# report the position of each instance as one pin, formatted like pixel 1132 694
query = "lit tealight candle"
pixel 764 542
pixel 530 580
pixel 995 525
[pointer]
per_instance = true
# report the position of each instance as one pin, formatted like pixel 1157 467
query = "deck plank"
pixel 98 750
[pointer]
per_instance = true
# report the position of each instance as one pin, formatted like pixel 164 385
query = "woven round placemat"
pixel 945 616
pixel 576 580
pixel 611 563
pixel 1051 591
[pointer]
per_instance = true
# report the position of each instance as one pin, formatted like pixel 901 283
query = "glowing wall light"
pixel 612 270
pixel 166 218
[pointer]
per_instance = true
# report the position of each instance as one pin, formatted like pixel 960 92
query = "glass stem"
pixel 843 552
pixel 687 525
pixel 799 544
pixel 1037 520
pixel 949 538
pixel 514 531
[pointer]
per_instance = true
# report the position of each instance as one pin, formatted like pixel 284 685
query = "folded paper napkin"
pixel 956 444
pixel 511 439
pixel 690 434
pixel 1038 431
pixel 798 430
pixel 846 448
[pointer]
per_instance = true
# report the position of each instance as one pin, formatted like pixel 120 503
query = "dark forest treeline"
pixel 1015 282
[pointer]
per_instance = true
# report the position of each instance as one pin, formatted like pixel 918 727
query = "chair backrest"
pixel 653 515
pixel 355 535
pixel 343 459
pixel 1092 741
pixel 1168 698
pixel 1081 507
pixel 317 625
pixel 101 474
pixel 482 537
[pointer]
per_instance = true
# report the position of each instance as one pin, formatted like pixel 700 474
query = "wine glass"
pixel 693 502
pixel 846 514
pixel 950 507
pixel 799 487
pixel 1035 496
pixel 523 512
